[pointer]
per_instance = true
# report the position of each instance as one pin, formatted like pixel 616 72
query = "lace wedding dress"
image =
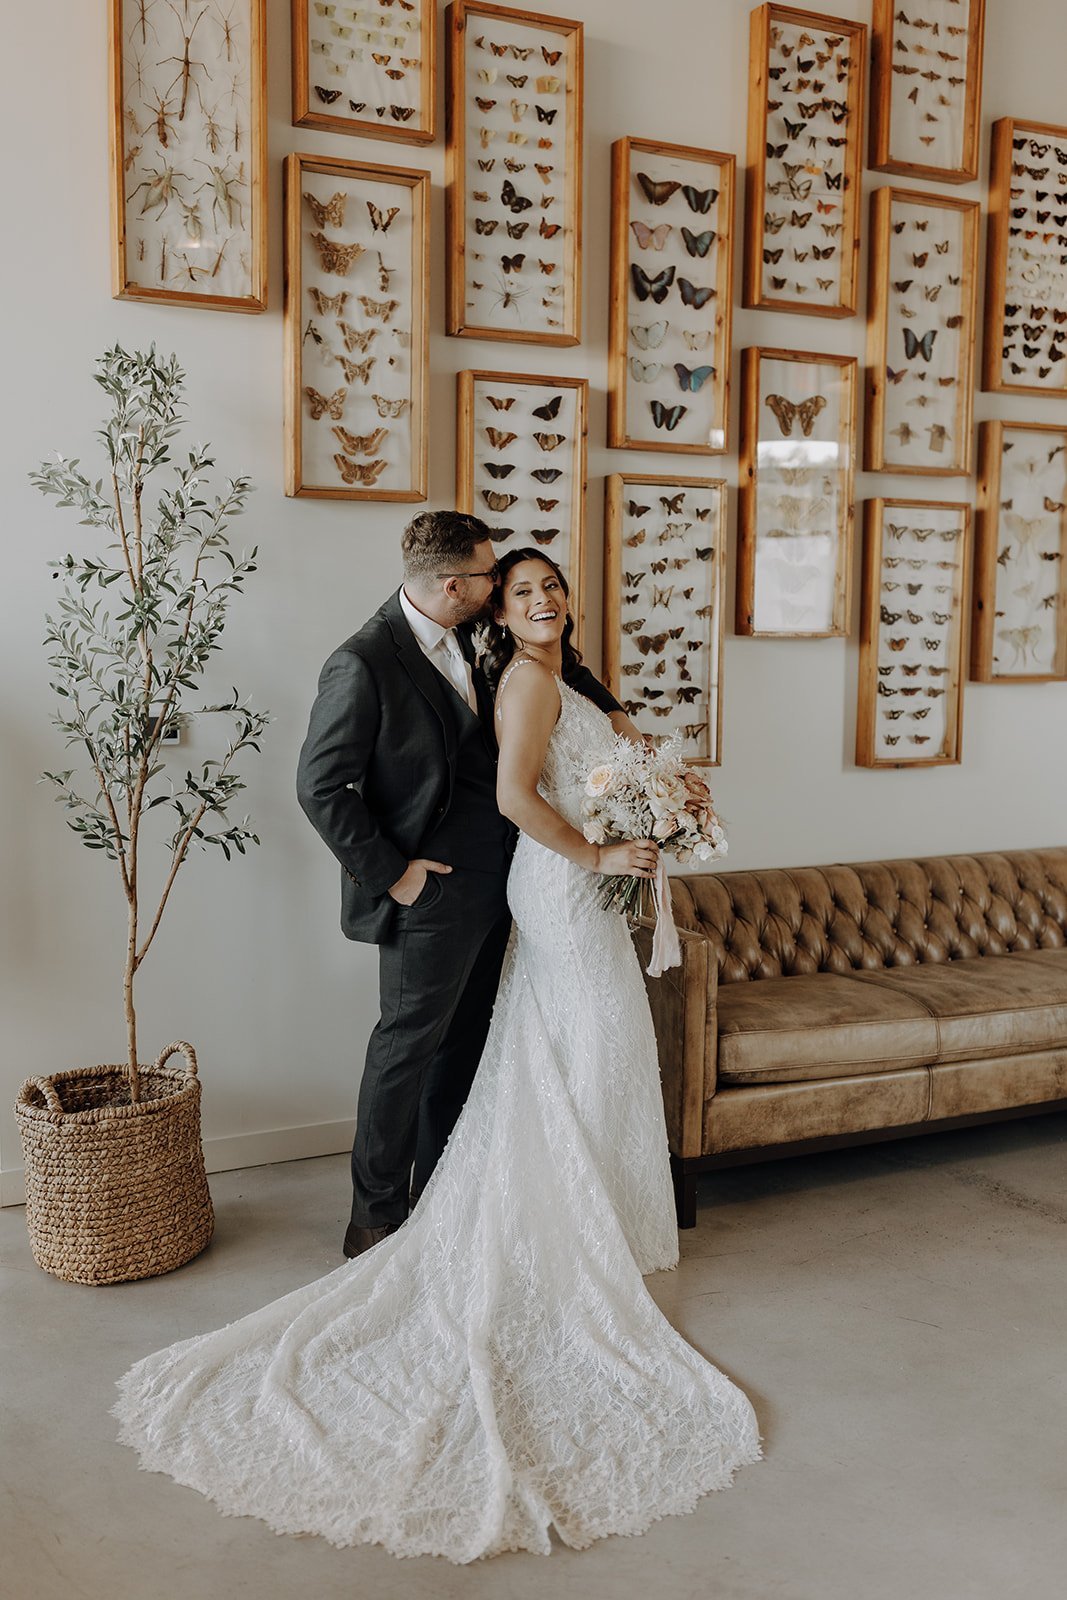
pixel 496 1367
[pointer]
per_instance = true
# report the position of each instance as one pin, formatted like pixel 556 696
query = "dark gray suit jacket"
pixel 377 768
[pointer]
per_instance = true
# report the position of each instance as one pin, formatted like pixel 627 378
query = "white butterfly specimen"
pixel 645 371
pixel 648 337
pixel 697 341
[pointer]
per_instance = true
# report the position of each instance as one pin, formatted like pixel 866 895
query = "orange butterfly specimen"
pixel 499 439
pixel 359 472
pixel 338 258
pixel 545 173
pixel 788 411
pixel 549 441
pixel 320 403
pixel 379 308
pixel 388 408
pixel 549 230
pixel 500 403
pixel 551 56
pixel 651 238
pixel 496 501
pixel 361 444
pixel 546 505
pixel 381 219
pixel 354 369
pixel 329 213
pixel 329 305
pixel 356 338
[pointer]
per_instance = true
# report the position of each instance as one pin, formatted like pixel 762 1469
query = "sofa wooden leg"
pixel 685 1194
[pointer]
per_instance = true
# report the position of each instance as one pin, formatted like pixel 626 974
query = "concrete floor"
pixel 897 1314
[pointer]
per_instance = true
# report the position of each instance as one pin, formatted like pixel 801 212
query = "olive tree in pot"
pixel 116 1187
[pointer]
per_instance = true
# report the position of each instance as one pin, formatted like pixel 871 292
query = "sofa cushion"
pixel 825 1025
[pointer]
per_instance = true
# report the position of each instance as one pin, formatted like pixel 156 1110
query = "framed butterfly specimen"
pixel 805 125
pixel 909 707
pixel 920 333
pixel 356 329
pixel 514 173
pixel 358 70
pixel 926 88
pixel 664 604
pixel 1019 613
pixel 1025 336
pixel 188 154
pixel 672 210
pixel 525 436
pixel 796 468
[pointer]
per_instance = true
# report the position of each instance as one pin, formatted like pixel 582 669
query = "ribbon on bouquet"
pixel 666 950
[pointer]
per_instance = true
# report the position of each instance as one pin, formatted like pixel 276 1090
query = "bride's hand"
pixel 633 858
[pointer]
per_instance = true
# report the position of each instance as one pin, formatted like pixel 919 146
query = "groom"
pixel 398 776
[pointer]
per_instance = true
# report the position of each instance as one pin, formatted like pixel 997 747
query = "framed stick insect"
pixel 188 152
pixel 356 329
pixel 664 593
pixel 514 203
pixel 366 69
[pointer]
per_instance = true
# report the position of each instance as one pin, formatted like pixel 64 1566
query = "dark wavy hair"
pixel 500 644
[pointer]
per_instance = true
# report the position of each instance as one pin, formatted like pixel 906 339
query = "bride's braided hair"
pixel 500 645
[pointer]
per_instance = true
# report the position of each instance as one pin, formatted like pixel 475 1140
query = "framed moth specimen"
pixel 926 88
pixel 188 153
pixel 805 123
pixel 798 426
pixel 1025 347
pixel 910 704
pixel 514 175
pixel 664 577
pixel 920 332
pixel 367 69
pixel 671 274
pixel 356 330
pixel 520 465
pixel 1019 629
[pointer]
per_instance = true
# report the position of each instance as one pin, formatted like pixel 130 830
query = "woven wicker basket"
pixel 115 1191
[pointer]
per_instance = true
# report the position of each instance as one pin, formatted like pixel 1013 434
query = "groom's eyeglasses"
pixel 492 573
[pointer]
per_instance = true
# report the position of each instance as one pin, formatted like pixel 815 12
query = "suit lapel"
pixel 425 677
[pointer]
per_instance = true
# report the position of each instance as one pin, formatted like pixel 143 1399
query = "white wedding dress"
pixel 497 1367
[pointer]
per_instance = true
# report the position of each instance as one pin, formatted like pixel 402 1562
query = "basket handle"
pixel 187 1051
pixel 45 1087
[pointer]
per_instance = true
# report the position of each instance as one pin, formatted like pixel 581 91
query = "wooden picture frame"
pixel 684 189
pixel 663 634
pixel 802 183
pixel 1026 261
pixel 926 89
pixel 912 632
pixel 188 155
pixel 510 452
pixel 1019 613
pixel 514 171
pixel 344 342
pixel 342 83
pixel 923 288
pixel 795 495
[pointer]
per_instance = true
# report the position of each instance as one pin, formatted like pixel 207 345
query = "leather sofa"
pixel 818 1007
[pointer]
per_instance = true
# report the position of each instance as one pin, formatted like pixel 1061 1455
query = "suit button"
pixel 440 811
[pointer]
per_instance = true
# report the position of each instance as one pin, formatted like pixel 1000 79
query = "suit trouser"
pixel 438 975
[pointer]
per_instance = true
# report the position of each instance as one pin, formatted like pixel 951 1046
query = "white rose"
pixel 665 825
pixel 595 832
pixel 600 780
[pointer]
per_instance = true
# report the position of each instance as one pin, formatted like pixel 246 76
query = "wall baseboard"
pixel 237 1150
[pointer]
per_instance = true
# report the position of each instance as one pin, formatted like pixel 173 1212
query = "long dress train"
pixel 496 1367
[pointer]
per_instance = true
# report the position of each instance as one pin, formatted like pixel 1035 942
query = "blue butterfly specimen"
pixel 655 288
pixel 693 378
pixel 692 296
pixel 666 416
pixel 923 347
pixel 699 199
pixel 698 244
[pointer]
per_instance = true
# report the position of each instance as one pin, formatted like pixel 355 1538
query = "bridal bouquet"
pixel 643 792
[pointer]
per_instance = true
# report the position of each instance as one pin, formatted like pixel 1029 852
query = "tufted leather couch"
pixel 822 1006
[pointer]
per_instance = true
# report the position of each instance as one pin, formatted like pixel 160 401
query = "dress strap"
pixel 520 661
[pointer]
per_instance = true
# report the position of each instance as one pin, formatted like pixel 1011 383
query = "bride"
pixel 496 1367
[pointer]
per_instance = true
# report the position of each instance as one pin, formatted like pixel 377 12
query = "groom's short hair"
pixel 434 541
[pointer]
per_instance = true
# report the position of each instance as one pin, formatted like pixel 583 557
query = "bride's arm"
pixel 528 710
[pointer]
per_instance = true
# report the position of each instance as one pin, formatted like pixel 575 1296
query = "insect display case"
pixel 926 88
pixel 520 465
pixel 367 69
pixel 513 257
pixel 805 123
pixel 1019 627
pixel 920 333
pixel 1025 345
pixel 356 329
pixel 796 468
pixel 188 153
pixel 664 577
pixel 910 705
pixel 671 273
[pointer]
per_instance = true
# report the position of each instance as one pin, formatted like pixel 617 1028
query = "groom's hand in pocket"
pixel 406 890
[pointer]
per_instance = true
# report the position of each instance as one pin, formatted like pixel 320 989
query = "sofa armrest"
pixel 683 1008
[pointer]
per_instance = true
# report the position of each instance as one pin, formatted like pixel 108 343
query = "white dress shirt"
pixel 441 648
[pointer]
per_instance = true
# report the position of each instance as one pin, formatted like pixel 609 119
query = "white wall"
pixel 250 963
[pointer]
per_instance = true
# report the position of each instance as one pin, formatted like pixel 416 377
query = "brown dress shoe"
pixel 357 1239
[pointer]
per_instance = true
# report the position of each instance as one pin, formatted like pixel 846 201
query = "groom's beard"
pixel 480 613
